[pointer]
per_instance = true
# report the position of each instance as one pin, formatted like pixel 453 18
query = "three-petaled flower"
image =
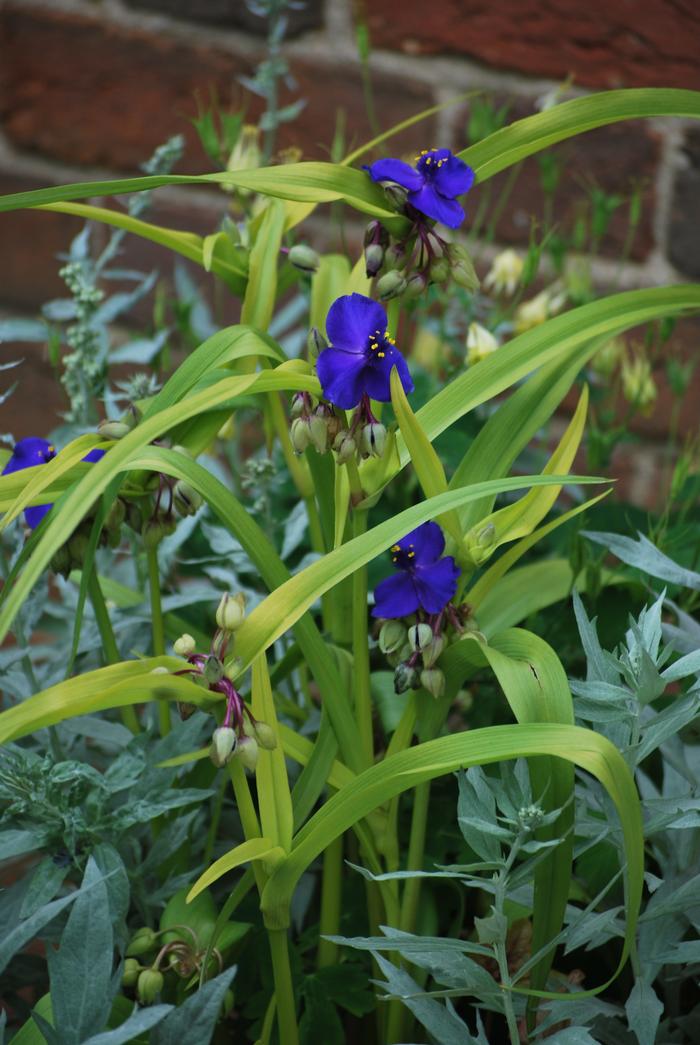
pixel 432 185
pixel 30 452
pixel 361 355
pixel 426 580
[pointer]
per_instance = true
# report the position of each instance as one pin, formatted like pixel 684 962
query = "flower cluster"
pixel 424 586
pixel 240 735
pixel 354 369
pixel 28 453
pixel 431 186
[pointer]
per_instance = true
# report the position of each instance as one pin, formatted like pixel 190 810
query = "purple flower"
pixel 437 178
pixel 424 581
pixel 28 453
pixel 361 355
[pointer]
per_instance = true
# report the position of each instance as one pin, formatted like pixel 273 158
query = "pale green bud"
pixel 318 432
pixel 130 973
pixel 376 233
pixel 143 941
pixel 300 434
pixel 396 195
pixel 213 670
pixel 154 530
pixel 373 440
pixel 247 751
pixel 315 343
pixel 187 500
pixel 304 258
pixel 391 285
pixel 116 515
pixel 298 404
pixel 149 986
pixel 231 611
pixel 223 745
pixel 374 259
pixel 463 272
pixel 432 653
pixel 480 543
pixel 392 636
pixel 160 670
pixel 420 636
pixel 416 285
pixel 184 645
pixel 433 680
pixel 77 548
pixel 345 447
pixel 113 429
pixel 265 736
pixel 405 677
pixel 440 270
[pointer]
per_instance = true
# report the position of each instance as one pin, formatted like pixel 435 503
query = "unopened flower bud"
pixel 480 543
pixel 391 285
pixel 416 285
pixel 265 736
pixel 376 233
pixel 154 530
pixel 184 645
pixel 186 499
pixel 231 611
pixel 405 677
pixel 130 973
pixel 298 404
pixel 433 679
pixel 113 429
pixel 134 517
pixel 480 343
pixel 395 257
pixel 420 636
pixel 318 433
pixel 345 446
pixel 396 194
pixel 315 343
pixel 247 751
pixel 61 561
pixel 432 653
pixel 304 258
pixel 300 434
pixel 374 259
pixel 77 548
pixel 462 266
pixel 116 515
pixel 392 636
pixel 373 440
pixel 149 986
pixel 213 670
pixel 439 270
pixel 223 745
pixel 505 272
pixel 143 941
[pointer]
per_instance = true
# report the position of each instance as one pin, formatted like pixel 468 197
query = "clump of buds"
pixel 376 243
pixel 313 424
pixel 414 650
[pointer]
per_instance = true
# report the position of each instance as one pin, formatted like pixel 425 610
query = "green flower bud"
pixel 391 285
pixel 420 636
pixel 223 745
pixel 113 429
pixel 184 645
pixel 440 270
pixel 130 973
pixel 405 677
pixel 149 986
pixel 376 233
pixel 480 543
pixel 231 611
pixel 265 736
pixel 77 548
pixel 143 941
pixel 345 446
pixel 304 258
pixel 298 406
pixel 318 432
pixel 392 636
pixel 154 530
pixel 247 751
pixel 116 515
pixel 374 259
pixel 416 285
pixel 432 653
pixel 373 440
pixel 300 434
pixel 315 343
pixel 433 680
pixel 396 194
pixel 134 517
pixel 186 499
pixel 61 561
pixel 395 257
pixel 463 271
pixel 213 670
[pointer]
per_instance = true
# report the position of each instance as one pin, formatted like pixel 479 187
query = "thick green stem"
pixel 360 650
pixel 284 990
pixel 158 629
pixel 109 643
pixel 330 902
pixel 215 818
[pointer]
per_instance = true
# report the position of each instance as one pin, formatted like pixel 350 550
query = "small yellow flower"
pixel 538 309
pixel 607 358
pixel 505 272
pixel 245 155
pixel 638 385
pixel 480 343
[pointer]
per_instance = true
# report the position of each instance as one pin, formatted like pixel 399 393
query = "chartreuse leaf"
pixel 407 769
pixel 520 518
pixel 261 289
pixel 525 137
pixel 427 464
pixel 253 849
pixel 274 798
pixel 329 282
pixel 490 578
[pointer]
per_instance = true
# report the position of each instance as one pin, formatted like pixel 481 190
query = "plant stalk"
pixel 158 630
pixel 109 643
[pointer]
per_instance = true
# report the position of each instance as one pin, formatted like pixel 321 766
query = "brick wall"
pixel 90 88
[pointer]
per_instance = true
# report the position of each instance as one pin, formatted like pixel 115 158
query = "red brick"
pixel 683 241
pixel 616 159
pixel 85 91
pixel 602 43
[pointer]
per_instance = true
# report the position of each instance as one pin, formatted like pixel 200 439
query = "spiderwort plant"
pixel 30 452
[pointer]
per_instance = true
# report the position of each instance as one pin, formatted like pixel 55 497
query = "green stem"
pixel 284 990
pixel 330 903
pixel 158 629
pixel 414 862
pixel 109 643
pixel 218 805
pixel 360 649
